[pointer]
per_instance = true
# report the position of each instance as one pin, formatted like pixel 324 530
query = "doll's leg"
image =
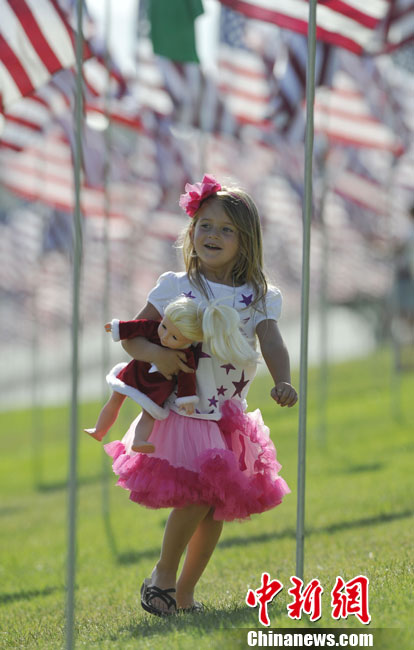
pixel 143 431
pixel 107 416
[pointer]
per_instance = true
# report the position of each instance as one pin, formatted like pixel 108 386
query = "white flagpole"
pixel 307 208
pixel 77 255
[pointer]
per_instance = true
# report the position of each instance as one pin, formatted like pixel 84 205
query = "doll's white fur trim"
pixel 157 412
pixel 191 399
pixel 115 329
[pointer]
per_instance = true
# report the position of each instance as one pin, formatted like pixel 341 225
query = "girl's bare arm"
pixel 168 362
pixel 276 357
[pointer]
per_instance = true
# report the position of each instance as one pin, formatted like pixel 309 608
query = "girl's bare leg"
pixel 143 431
pixel 199 551
pixel 180 528
pixel 107 416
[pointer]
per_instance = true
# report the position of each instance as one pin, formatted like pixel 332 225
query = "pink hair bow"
pixel 194 194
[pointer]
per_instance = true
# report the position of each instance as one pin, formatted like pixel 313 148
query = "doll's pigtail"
pixel 221 328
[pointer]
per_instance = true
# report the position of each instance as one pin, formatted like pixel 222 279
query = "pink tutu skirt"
pixel 230 465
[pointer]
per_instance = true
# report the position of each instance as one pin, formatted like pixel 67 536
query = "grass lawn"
pixel 359 520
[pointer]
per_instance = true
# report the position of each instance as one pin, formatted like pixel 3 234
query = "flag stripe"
pixel 341 23
pixel 36 41
pixel 11 62
pixel 36 36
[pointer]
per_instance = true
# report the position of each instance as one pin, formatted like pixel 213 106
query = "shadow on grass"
pixel 365 521
pixel 332 528
pixel 369 467
pixel 210 620
pixel 133 556
pixel 57 486
pixel 9 510
pixel 27 595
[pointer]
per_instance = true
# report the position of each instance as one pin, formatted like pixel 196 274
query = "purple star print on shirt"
pixel 228 367
pixel 239 385
pixel 246 299
pixel 189 294
pixel 221 390
pixel 213 401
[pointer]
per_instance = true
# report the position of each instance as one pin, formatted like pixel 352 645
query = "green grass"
pixel 359 520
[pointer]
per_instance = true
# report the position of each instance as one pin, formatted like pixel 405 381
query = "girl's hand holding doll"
pixel 169 362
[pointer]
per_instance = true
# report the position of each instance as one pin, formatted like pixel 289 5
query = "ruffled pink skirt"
pixel 230 465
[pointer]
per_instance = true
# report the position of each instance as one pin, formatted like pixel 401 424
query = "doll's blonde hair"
pixel 221 329
pixel 216 324
pixel 186 316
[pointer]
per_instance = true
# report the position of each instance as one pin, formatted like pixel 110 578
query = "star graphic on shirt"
pixel 213 401
pixel 221 390
pixel 228 367
pixel 189 294
pixel 239 385
pixel 199 354
pixel 246 299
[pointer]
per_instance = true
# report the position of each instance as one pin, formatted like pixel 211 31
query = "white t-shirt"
pixel 217 381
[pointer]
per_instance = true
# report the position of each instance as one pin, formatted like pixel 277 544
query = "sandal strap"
pixel 153 591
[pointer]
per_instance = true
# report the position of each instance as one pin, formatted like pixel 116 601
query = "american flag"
pixel 355 26
pixel 27 120
pixel 398 27
pixel 44 173
pixel 343 115
pixel 291 86
pixel 36 41
pixel 245 79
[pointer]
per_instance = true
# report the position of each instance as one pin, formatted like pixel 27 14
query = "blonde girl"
pixel 219 463
pixel 184 323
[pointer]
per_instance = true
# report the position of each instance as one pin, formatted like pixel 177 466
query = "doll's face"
pixel 170 335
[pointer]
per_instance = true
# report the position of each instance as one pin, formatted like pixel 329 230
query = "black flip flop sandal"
pixel 197 608
pixel 150 592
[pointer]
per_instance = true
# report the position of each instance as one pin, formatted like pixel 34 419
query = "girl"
pixel 183 323
pixel 218 464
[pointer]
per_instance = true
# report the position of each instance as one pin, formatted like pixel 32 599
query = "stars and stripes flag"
pixel 343 115
pixel 36 41
pixel 398 25
pixel 26 121
pixel 43 173
pixel 355 26
pixel 291 87
pixel 245 79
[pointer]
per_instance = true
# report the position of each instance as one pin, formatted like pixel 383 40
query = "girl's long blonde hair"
pixel 242 211
pixel 216 324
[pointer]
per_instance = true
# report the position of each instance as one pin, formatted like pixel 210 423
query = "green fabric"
pixel 172 28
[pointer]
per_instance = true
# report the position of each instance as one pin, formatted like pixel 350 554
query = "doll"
pixel 184 323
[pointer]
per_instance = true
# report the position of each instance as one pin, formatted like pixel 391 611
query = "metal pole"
pixel 307 208
pixel 37 419
pixel 323 300
pixel 77 254
pixel 106 472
